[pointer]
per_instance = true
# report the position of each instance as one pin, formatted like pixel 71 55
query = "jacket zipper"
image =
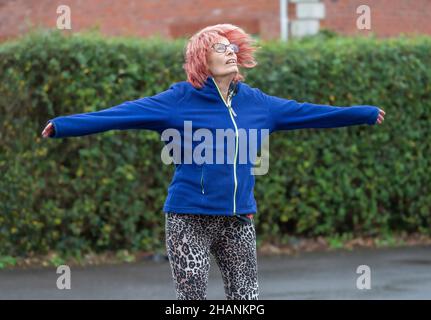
pixel 232 115
pixel 202 180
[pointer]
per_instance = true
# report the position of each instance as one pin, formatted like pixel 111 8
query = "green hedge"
pixel 105 192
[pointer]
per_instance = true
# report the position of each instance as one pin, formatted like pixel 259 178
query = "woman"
pixel 210 206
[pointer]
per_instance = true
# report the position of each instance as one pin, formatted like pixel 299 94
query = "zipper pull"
pixel 230 107
pixel 234 114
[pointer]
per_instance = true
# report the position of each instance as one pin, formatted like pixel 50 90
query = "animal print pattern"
pixel 190 239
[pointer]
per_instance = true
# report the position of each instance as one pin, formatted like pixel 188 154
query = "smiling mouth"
pixel 231 61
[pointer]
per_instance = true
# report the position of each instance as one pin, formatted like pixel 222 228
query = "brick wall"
pixel 170 18
pixel 388 17
pixel 173 18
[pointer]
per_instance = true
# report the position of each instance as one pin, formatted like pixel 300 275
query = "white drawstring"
pixel 229 100
pixel 234 114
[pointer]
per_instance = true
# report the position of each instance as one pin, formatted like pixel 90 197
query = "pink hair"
pixel 199 45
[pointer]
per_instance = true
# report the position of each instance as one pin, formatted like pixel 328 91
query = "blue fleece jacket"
pixel 213 188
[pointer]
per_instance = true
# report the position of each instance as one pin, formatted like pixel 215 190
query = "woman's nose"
pixel 229 51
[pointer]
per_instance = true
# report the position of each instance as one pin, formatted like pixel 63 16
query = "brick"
pixel 173 18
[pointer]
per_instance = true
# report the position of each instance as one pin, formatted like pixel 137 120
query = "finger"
pixel 47 129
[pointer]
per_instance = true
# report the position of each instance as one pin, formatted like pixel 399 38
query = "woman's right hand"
pixel 380 117
pixel 48 131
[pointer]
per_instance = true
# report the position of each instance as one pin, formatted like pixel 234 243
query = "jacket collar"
pixel 210 84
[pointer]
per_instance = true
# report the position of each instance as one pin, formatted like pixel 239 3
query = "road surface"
pixel 395 273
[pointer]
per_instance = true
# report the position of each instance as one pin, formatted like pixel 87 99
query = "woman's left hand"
pixel 380 118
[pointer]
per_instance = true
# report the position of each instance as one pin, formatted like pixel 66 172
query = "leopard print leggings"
pixel 190 239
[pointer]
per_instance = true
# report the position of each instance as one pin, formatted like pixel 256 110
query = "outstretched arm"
pixel 287 114
pixel 152 113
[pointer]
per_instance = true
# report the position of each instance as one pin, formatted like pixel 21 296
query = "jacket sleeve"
pixel 287 114
pixel 152 113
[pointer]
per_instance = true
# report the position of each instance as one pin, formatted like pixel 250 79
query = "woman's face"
pixel 220 63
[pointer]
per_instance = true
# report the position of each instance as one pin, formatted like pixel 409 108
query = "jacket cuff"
pixel 374 116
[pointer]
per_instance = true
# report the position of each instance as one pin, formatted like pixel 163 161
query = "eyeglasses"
pixel 221 47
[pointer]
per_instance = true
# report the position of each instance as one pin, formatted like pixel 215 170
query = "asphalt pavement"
pixel 394 273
